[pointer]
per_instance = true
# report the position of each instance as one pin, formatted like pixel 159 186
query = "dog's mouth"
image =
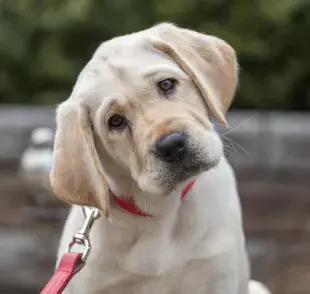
pixel 168 178
pixel 188 172
pixel 182 174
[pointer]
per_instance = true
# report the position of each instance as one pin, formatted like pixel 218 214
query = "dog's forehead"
pixel 119 67
pixel 129 53
pixel 129 43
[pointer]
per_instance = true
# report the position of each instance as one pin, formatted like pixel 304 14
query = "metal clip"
pixel 82 236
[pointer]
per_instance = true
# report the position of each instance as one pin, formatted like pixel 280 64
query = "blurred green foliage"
pixel 45 43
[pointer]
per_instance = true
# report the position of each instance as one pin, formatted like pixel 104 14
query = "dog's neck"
pixel 129 204
pixel 141 203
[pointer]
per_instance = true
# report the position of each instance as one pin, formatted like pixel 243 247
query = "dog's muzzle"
pixel 178 158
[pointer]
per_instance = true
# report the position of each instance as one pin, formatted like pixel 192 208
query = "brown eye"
pixel 167 85
pixel 117 122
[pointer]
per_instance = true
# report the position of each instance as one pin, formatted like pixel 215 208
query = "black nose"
pixel 172 147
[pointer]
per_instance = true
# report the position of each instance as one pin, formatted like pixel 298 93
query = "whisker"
pixel 229 147
pixel 233 129
pixel 238 145
pixel 226 152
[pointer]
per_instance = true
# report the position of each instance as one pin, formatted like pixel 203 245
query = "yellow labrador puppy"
pixel 134 134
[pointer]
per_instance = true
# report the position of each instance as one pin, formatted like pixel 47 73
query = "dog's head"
pixel 139 114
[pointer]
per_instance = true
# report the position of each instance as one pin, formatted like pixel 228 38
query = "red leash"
pixel 68 267
pixel 72 262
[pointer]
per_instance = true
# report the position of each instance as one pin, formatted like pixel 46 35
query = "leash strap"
pixel 71 262
pixel 68 267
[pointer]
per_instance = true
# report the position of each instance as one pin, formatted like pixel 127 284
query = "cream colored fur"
pixel 195 245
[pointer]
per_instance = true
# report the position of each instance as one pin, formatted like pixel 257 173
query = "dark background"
pixel 44 44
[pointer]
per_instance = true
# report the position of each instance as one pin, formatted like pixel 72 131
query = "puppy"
pixel 136 132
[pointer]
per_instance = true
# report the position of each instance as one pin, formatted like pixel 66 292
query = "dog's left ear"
pixel 209 61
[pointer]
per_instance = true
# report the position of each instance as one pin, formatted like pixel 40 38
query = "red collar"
pixel 129 204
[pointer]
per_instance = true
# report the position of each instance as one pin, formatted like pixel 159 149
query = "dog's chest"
pixel 190 276
pixel 163 261
pixel 160 249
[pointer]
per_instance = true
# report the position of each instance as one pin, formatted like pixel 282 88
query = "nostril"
pixel 180 144
pixel 166 154
pixel 172 148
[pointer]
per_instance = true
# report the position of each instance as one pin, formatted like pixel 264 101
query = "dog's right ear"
pixel 77 176
pixel 210 62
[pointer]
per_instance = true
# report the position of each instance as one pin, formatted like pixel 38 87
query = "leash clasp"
pixel 82 236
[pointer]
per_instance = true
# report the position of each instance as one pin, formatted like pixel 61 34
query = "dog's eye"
pixel 117 122
pixel 167 85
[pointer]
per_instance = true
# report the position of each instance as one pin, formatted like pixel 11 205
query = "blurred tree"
pixel 45 43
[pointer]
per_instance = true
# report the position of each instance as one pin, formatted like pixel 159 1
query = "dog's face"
pixel 139 114
pixel 152 121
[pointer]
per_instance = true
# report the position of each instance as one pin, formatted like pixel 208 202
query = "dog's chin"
pixel 166 181
pixel 172 181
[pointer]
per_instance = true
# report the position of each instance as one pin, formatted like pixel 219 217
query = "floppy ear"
pixel 209 61
pixel 77 176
